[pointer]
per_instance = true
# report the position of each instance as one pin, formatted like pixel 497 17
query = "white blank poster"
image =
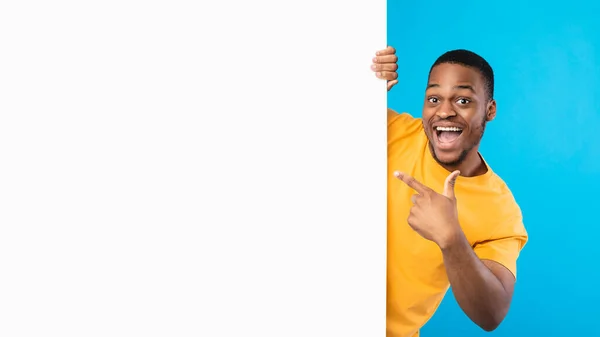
pixel 185 168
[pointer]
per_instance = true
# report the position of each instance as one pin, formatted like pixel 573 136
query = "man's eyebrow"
pixel 469 87
pixel 463 86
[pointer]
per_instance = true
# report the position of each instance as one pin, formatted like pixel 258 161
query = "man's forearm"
pixel 477 290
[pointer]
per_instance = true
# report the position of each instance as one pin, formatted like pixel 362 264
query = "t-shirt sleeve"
pixel 505 244
pixel 401 125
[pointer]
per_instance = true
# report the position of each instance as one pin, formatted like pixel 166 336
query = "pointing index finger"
pixel 412 182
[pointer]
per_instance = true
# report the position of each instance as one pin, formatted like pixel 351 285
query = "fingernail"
pixel 373 67
pixel 377 53
pixel 397 174
pixel 378 74
pixel 374 59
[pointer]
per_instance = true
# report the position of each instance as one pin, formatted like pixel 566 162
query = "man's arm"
pixel 482 288
pixel 385 67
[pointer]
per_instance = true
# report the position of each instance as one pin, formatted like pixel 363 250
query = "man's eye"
pixel 463 101
pixel 432 100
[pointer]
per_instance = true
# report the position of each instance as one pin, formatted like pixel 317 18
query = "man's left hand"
pixel 434 216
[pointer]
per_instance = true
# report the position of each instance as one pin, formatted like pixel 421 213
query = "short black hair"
pixel 469 59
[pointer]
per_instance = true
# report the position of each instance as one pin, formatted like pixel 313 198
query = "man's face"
pixel 455 112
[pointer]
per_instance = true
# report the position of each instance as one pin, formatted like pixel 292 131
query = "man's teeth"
pixel 448 128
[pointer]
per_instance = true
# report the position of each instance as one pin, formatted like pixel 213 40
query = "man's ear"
pixel 491 110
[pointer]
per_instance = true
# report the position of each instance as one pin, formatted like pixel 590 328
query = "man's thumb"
pixel 449 184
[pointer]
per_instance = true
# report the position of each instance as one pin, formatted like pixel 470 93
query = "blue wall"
pixel 545 143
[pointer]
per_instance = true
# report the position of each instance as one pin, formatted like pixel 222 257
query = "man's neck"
pixel 472 166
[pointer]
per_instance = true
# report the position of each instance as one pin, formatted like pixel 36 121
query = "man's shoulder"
pixel 495 214
pixel 395 118
pixel 498 183
pixel 402 125
pixel 504 195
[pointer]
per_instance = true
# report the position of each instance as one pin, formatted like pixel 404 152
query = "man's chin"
pixel 447 158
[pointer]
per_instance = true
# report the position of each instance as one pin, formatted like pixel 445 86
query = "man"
pixel 451 220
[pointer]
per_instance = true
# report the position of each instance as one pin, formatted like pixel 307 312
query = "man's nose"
pixel 445 110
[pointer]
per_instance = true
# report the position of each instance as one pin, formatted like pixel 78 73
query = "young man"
pixel 451 220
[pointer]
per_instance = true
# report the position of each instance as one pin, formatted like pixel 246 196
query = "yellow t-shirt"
pixel 487 211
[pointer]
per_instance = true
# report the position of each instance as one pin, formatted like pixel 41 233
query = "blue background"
pixel 545 143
